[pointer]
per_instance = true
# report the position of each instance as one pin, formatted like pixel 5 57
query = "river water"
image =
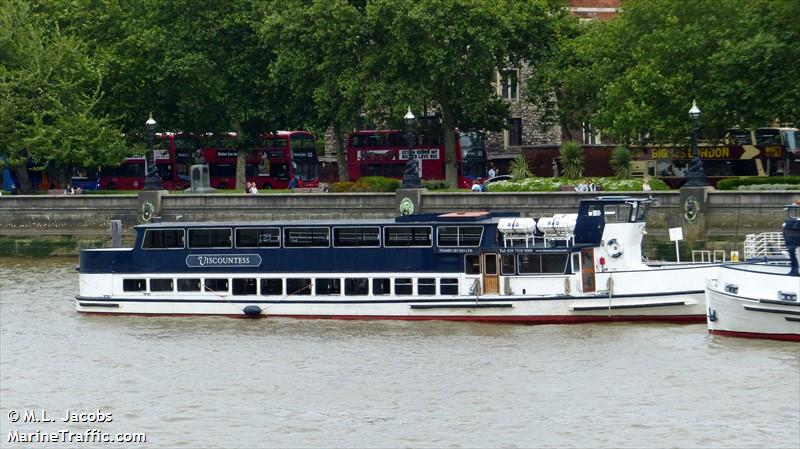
pixel 222 382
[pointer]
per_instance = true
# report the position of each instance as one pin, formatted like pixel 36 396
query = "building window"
pixel 514 133
pixel 508 81
pixel 590 135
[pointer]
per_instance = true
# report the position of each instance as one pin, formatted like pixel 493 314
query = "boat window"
pixel 357 237
pixel 507 264
pixel 641 212
pixel 306 237
pixel 272 286
pixel 298 286
pixel 403 286
pixel 617 213
pixel 161 285
pixel 398 236
pixel 490 263
pixel 245 286
pixel 472 264
pixel 449 286
pixel 356 287
pixel 426 286
pixel 133 285
pixel 542 263
pixel 210 238
pixel 329 286
pixel 216 285
pixel 188 285
pixel 576 257
pixel 380 286
pixel 163 238
pixel 453 236
pixel 258 238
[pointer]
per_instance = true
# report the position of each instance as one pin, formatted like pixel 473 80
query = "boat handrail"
pixel 765 244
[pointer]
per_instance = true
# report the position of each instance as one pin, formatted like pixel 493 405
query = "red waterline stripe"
pixel 783 337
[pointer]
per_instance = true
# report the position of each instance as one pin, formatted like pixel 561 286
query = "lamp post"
pixel 412 172
pixel 696 176
pixel 151 180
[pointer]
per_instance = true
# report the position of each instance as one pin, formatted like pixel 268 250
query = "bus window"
pixel 280 171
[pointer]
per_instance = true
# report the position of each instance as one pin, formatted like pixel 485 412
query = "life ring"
pixel 613 248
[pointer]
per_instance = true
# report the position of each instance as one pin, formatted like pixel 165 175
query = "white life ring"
pixel 613 248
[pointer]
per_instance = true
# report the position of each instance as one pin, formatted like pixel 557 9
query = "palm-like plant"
pixel 519 168
pixel 621 162
pixel 571 159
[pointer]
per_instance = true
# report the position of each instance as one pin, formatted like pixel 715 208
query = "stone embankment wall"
pixel 28 222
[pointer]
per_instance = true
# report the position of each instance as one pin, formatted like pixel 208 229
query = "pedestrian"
pixel 492 171
pixel 582 187
pixel 476 185
pixel 646 184
pixel 590 186
pixel 253 188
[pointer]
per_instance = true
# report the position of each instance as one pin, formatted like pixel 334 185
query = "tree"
pixel 198 66
pixel 634 77
pixel 319 49
pixel 445 53
pixel 50 90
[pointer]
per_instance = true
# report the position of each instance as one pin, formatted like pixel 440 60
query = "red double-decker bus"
pixel 284 159
pixel 385 153
pixel 173 156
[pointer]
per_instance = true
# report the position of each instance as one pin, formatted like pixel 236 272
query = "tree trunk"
pixel 450 161
pixel 341 155
pixel 22 181
pixel 241 156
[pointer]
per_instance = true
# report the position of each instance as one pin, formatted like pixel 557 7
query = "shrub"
pixel 376 184
pixel 621 162
pixel 734 183
pixel 435 184
pixel 571 155
pixel 555 185
pixel 519 168
pixel 342 186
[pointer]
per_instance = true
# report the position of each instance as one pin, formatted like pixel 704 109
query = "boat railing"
pixel 708 256
pixel 764 245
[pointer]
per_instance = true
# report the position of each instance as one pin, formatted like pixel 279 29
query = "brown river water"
pixel 222 382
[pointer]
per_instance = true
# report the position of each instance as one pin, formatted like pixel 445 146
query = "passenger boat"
pixel 475 266
pixel 759 300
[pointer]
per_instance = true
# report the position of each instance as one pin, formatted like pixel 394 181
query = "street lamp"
pixel 151 180
pixel 696 176
pixel 412 172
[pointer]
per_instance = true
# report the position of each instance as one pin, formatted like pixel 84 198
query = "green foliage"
pixel 367 184
pixel 636 75
pixel 50 91
pixel 566 184
pixel 621 162
pixel 518 169
pixel 571 155
pixel 435 184
pixel 738 183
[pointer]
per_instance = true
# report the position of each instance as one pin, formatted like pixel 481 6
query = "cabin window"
pixel 380 286
pixel 617 213
pixel 472 264
pixel 426 286
pixel 507 264
pixel 576 262
pixel 188 285
pixel 448 286
pixel 400 236
pixel 542 263
pixel 329 286
pixel 163 239
pixel 161 285
pixel 298 286
pixel 356 287
pixel 210 238
pixel 272 286
pixel 306 237
pixel 357 237
pixel 216 285
pixel 454 236
pixel 641 211
pixel 403 286
pixel 258 238
pixel 134 285
pixel 244 286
